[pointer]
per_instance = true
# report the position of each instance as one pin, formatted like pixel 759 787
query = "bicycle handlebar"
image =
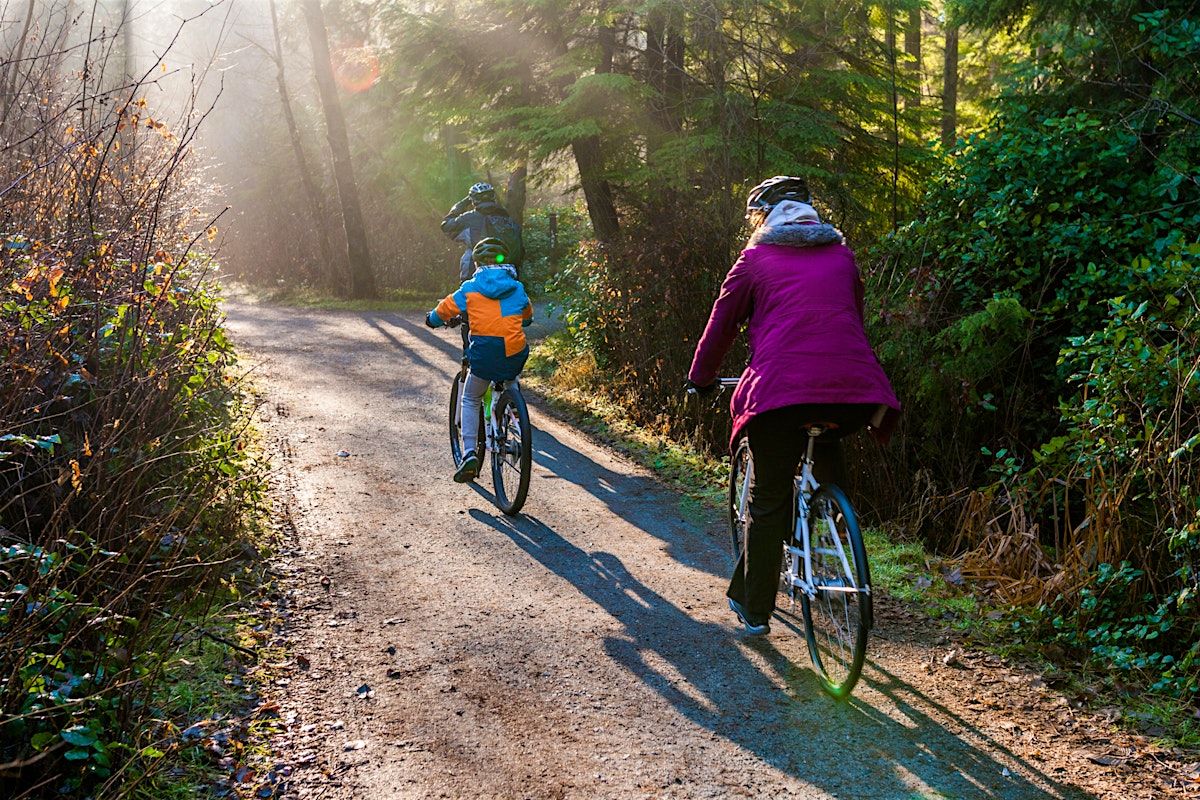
pixel 723 383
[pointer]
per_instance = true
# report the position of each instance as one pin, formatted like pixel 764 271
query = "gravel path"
pixel 582 649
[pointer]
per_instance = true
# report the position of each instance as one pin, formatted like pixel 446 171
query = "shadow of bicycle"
pixel 760 694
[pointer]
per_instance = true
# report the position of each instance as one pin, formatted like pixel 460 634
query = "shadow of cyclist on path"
pixel 770 703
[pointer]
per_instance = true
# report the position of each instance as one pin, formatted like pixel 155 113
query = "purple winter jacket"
pixel 797 289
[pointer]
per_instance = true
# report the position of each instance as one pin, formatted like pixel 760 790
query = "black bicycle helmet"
pixel 770 192
pixel 489 251
pixel 482 193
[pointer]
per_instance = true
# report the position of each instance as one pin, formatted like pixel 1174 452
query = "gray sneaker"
pixel 468 469
pixel 755 626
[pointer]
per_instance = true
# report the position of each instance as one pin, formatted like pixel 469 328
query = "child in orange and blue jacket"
pixel 494 304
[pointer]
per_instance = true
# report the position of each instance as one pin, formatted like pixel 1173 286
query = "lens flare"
pixel 355 66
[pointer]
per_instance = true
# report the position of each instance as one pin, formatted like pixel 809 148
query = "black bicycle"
pixel 505 437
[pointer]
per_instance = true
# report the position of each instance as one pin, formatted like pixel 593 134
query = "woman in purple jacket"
pixel 797 290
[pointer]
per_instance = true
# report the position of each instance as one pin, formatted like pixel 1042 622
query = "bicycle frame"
pixel 490 398
pixel 804 486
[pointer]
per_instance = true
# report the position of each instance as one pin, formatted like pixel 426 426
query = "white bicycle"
pixel 824 566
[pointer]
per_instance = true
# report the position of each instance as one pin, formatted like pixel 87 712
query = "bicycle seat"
pixel 816 429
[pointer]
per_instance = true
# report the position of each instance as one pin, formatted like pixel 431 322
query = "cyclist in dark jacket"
pixel 467 222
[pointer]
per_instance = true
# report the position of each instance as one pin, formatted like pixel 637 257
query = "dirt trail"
pixel 583 649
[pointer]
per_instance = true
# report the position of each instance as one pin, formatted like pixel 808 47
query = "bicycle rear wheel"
pixel 512 456
pixel 838 619
pixel 456 441
pixel 741 467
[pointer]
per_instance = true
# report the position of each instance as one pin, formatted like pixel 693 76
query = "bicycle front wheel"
pixel 741 467
pixel 838 618
pixel 512 456
pixel 456 441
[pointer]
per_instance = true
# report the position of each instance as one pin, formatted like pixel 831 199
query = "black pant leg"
pixel 776 452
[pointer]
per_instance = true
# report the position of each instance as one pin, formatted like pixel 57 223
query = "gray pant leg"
pixel 472 399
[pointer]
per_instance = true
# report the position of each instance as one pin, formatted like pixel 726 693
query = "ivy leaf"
pixel 79 736
pixel 40 741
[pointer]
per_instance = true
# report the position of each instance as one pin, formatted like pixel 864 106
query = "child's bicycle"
pixel 504 434
pixel 824 566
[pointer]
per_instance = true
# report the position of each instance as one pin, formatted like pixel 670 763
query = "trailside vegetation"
pixel 1040 319
pixel 125 478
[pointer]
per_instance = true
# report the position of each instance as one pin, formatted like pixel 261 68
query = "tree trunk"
pixel 950 89
pixel 8 70
pixel 330 263
pixel 596 190
pixel 892 58
pixel 514 195
pixel 589 160
pixel 362 279
pixel 664 71
pixel 912 47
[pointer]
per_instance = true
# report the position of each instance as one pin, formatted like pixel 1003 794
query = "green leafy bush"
pixel 125 481
pixel 124 477
pixel 1040 321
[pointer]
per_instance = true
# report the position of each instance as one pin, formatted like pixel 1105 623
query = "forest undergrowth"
pixel 131 493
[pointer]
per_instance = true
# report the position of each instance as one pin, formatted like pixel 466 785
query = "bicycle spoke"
pixel 512 454
pixel 838 616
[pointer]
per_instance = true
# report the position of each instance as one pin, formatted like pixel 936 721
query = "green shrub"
pixel 125 481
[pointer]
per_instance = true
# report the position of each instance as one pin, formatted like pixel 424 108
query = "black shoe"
pixel 755 626
pixel 468 469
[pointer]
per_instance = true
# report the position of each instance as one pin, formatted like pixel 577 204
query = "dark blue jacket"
pixel 469 228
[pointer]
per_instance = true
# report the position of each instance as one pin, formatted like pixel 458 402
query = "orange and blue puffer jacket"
pixel 493 302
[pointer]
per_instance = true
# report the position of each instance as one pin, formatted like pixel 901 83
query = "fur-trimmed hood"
pixel 797 234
